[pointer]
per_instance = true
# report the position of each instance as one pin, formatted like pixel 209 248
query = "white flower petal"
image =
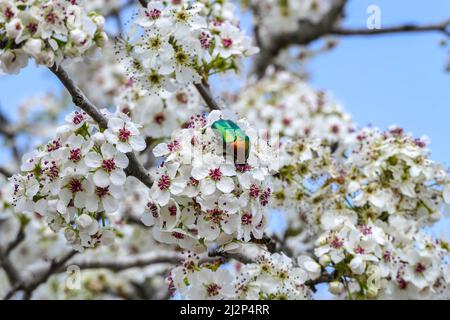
pixel 108 151
pixel 137 143
pixel 91 203
pixel 121 160
pixel 225 184
pixel 110 204
pixel 115 123
pixel 93 160
pixel 207 187
pixel 101 179
pixel 200 172
pixel 118 177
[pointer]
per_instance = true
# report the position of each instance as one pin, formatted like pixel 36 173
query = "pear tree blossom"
pixel 283 102
pixel 203 193
pixel 186 155
pixel 269 276
pixel 49 32
pixel 183 42
pixel 78 177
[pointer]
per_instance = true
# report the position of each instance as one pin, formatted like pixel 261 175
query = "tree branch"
pixel 324 278
pixel 122 263
pixel 78 97
pixel 407 28
pixel 55 265
pixel 228 255
pixel 305 34
pixel 29 286
pixel 18 240
pixel 115 264
pixel 204 91
pixel 11 271
pixel 143 3
pixel 202 88
pixel 5 172
pixel 134 168
pixel 6 130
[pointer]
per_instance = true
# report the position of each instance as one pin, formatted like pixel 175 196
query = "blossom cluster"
pixel 102 80
pixel 363 211
pixel 160 115
pixel 104 7
pixel 274 17
pixel 51 31
pixel 201 195
pixel 106 83
pixel 77 178
pixel 44 112
pixel 304 163
pixel 368 210
pixel 391 173
pixel 284 103
pixel 270 277
pixel 383 259
pixel 180 43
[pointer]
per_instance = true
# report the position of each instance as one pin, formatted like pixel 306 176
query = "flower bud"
pixel 372 292
pixel 101 39
pixel 70 235
pixel 99 21
pixel 78 37
pixel 336 287
pixel 46 58
pixel 324 260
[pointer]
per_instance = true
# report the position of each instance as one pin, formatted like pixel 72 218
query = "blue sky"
pixel 393 79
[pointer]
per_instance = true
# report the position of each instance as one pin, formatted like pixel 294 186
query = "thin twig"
pixel 324 278
pixel 55 265
pixel 134 168
pixel 306 33
pixel 18 240
pixel 5 172
pixel 406 28
pixel 122 263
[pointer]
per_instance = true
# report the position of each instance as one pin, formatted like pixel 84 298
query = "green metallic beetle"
pixel 235 140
